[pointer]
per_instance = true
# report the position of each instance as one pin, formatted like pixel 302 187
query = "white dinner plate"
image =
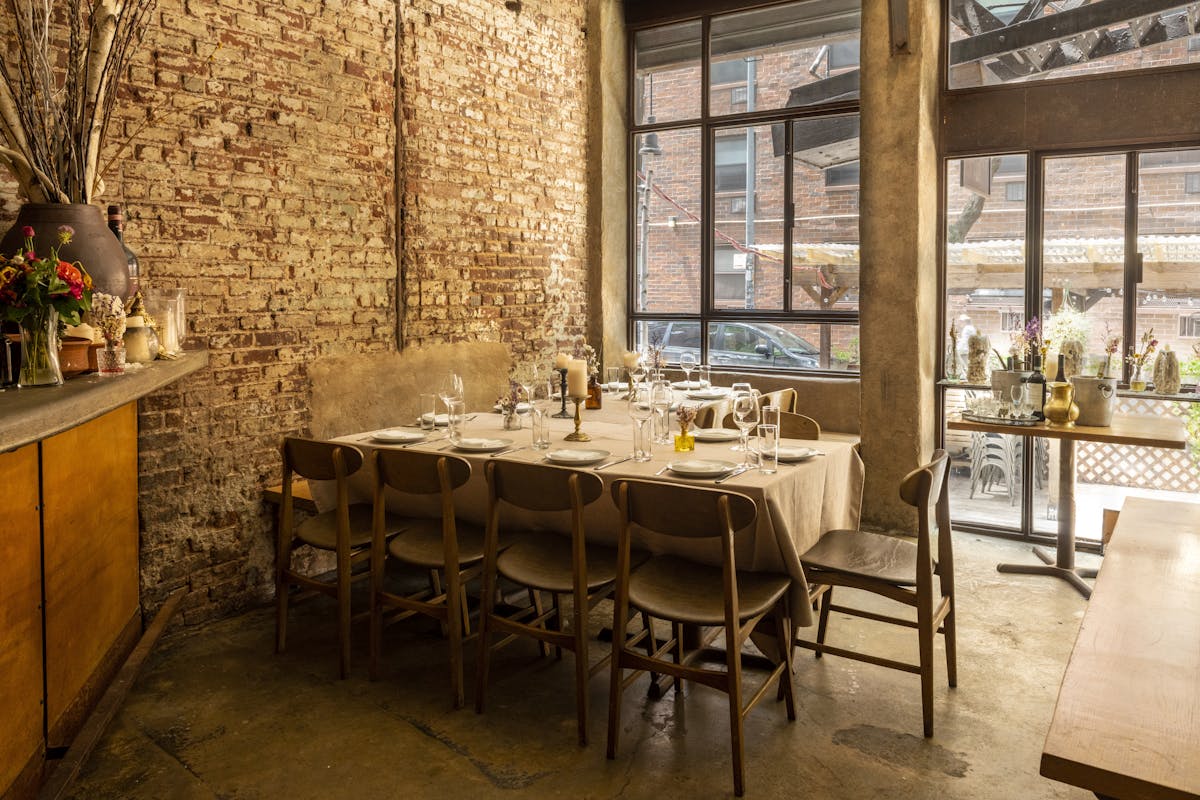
pixel 438 419
pixel 715 393
pixel 576 457
pixel 482 445
pixel 790 453
pixel 522 408
pixel 687 385
pixel 673 407
pixel 701 468
pixel 614 386
pixel 397 436
pixel 715 434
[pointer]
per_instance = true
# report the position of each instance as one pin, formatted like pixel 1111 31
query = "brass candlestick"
pixel 578 435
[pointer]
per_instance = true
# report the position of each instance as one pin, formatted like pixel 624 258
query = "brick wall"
pixel 261 180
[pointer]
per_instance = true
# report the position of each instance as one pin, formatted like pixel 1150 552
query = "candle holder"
pixel 578 435
pixel 562 383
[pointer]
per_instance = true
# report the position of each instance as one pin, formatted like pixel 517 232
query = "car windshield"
pixel 789 340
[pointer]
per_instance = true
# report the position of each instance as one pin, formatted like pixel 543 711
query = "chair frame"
pixel 733 513
pixel 443 474
pixel 344 461
pixel 535 627
pixel 927 489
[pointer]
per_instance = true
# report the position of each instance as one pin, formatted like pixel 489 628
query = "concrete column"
pixel 608 189
pixel 899 207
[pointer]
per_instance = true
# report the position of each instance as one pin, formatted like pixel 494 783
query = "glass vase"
pixel 110 360
pixel 512 421
pixel 39 349
pixel 684 441
pixel 1137 383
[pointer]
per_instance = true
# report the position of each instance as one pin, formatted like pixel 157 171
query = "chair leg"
pixel 487 599
pixel 535 600
pixel 581 669
pixel 783 635
pixel 677 631
pixel 925 635
pixel 454 630
pixel 651 643
pixel 733 657
pixel 823 620
pixel 376 632
pixel 951 646
pixel 615 688
pixel 281 611
pixel 558 620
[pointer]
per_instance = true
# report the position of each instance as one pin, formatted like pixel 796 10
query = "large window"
pixel 745 187
pixel 1108 247
pixel 1001 41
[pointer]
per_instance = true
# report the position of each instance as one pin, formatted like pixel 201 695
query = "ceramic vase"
pixel 92 245
pixel 1166 373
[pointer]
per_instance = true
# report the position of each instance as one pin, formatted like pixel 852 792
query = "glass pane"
pixel 667 230
pixel 667 73
pixel 765 345
pixel 675 337
pixel 1083 257
pixel 1168 299
pixel 748 235
pixel 985 472
pixel 825 254
pixel 985 261
pixel 1002 41
pixel 793 55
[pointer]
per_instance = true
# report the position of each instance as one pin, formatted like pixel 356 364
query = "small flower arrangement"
pixel 108 316
pixel 686 415
pixel 30 284
pixel 1136 359
pixel 589 354
pixel 508 402
pixel 1112 344
pixel 655 358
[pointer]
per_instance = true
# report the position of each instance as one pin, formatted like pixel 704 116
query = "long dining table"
pixel 797 504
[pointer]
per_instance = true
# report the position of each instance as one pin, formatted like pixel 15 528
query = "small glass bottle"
pixel 595 393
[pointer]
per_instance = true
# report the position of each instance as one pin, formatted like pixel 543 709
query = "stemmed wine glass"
pixel 636 374
pixel 1019 392
pixel 451 388
pixel 687 363
pixel 745 415
pixel 660 403
pixel 640 411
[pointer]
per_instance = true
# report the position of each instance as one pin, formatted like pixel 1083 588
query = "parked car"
pixel 736 344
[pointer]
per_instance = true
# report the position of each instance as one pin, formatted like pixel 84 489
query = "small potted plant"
pixel 108 316
pixel 508 404
pixel 684 441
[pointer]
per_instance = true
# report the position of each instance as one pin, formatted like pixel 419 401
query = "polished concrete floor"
pixel 216 714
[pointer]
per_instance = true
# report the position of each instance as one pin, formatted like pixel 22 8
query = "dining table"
pixel 797 504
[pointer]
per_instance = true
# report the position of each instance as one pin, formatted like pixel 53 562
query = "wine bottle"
pixel 1061 377
pixel 1037 388
pixel 116 224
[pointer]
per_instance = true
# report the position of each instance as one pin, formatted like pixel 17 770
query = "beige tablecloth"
pixel 797 504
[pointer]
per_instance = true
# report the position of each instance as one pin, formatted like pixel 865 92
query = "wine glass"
pixel 745 415
pixel 1019 392
pixel 640 412
pixel 451 388
pixel 687 363
pixel 660 403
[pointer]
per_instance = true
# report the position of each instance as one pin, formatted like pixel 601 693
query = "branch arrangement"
pixel 58 89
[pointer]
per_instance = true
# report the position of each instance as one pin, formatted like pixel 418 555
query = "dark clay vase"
pixel 93 244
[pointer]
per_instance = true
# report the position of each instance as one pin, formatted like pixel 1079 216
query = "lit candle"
pixel 576 377
pixel 560 361
pixel 631 360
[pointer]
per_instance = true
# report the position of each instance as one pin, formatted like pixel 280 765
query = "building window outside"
pixel 1189 327
pixel 767 232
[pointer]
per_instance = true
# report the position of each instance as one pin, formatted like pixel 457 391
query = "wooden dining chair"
pixel 449 549
pixel 899 569
pixel 798 426
pixel 543 561
pixel 706 415
pixel 346 531
pixel 783 399
pixel 684 592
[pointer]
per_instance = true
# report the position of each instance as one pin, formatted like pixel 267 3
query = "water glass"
pixel 642 440
pixel 704 376
pixel 540 422
pixel 770 416
pixel 613 383
pixel 660 402
pixel 427 411
pixel 456 410
pixel 768 448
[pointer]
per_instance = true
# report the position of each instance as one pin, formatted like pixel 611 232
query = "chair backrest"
pixel 683 511
pixel 416 472
pixel 706 416
pixel 783 399
pixel 319 460
pixel 927 489
pixel 538 487
pixel 798 426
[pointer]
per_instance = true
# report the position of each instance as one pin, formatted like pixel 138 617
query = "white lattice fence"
pixel 1139 467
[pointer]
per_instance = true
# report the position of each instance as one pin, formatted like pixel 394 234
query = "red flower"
pixel 27 232
pixel 69 274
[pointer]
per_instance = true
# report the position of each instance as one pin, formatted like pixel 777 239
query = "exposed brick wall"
pixel 261 180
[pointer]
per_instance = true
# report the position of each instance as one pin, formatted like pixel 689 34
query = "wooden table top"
pixel 1127 722
pixel 1147 431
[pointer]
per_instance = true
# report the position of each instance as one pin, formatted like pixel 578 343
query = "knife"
pixel 733 474
pixel 509 450
pixel 599 467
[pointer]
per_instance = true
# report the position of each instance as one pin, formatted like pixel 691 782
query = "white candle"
pixel 576 377
pixel 560 360
pixel 631 360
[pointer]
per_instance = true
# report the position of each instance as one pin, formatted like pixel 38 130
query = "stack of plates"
pixel 701 468
pixel 576 457
pixel 790 453
pixel 438 419
pixel 397 436
pixel 711 393
pixel 482 445
pixel 715 434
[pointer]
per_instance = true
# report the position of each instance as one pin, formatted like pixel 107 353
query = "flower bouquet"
pixel 42 294
pixel 1137 360
pixel 108 316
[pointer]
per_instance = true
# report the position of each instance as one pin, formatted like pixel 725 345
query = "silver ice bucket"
pixel 1096 398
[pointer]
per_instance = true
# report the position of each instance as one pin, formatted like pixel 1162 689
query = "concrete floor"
pixel 217 715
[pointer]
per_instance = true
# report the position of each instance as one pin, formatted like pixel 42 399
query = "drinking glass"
pixel 770 416
pixel 640 412
pixel 427 411
pixel 740 387
pixel 687 363
pixel 745 415
pixel 540 423
pixel 613 384
pixel 768 448
pixel 660 402
pixel 1020 399
pixel 451 388
pixel 704 376
pixel 541 393
pixel 456 413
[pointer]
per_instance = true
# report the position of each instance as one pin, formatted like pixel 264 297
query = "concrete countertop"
pixel 30 415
